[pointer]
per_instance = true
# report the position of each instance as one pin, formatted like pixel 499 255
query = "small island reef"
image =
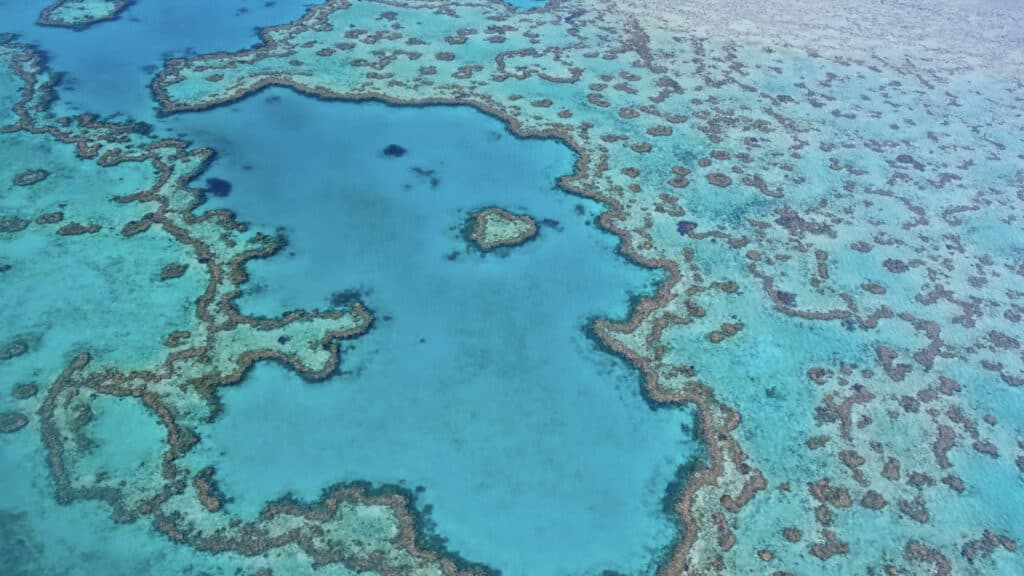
pixel 80 14
pixel 494 227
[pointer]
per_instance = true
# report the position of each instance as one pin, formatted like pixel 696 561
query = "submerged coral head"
pixel 786 298
pixel 685 227
pixel 344 298
pixel 394 151
pixel 218 187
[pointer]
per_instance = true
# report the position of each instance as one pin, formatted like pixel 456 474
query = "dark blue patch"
pixel 394 151
pixel 685 227
pixel 345 298
pixel 218 187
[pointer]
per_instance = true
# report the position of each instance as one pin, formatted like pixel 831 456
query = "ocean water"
pixel 809 216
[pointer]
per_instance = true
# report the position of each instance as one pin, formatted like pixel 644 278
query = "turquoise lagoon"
pixel 477 384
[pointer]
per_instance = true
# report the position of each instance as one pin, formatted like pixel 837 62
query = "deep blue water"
pixel 537 453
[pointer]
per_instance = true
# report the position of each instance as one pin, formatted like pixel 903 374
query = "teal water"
pixel 534 450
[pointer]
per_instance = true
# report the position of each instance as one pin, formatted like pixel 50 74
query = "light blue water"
pixel 537 453
pixel 106 74
pixel 527 4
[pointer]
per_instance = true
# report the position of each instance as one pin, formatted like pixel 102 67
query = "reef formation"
pixel 492 228
pixel 835 212
pixel 80 14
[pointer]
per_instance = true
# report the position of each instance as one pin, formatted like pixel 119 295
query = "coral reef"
pixel 492 228
pixel 80 14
